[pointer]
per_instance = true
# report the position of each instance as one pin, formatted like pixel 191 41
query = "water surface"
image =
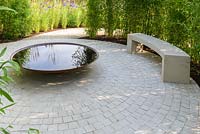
pixel 55 57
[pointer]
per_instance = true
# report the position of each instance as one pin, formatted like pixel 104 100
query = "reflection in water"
pixel 23 57
pixel 83 56
pixel 55 57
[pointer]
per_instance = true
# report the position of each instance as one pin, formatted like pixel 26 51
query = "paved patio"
pixel 117 94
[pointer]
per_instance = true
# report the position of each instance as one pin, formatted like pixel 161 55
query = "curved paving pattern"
pixel 118 94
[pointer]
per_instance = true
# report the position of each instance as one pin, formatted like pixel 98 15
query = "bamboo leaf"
pixel 33 131
pixel 7 9
pixel 4 130
pixel 2 110
pixel 3 52
pixel 5 72
pixel 14 65
pixel 5 94
pixel 10 126
pixel 7 79
pixel 2 82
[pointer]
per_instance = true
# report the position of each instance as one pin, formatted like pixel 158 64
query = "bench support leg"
pixel 132 46
pixel 176 69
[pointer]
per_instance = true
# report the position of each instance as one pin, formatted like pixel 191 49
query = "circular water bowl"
pixel 55 57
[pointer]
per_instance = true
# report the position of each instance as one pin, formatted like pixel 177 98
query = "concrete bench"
pixel 175 62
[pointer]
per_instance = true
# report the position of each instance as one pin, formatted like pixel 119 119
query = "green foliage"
pixel 35 17
pixel 5 130
pixel 45 20
pixel 109 17
pixel 33 131
pixel 145 16
pixel 15 25
pixel 81 13
pixel 47 15
pixel 39 15
pixel 7 9
pixel 183 27
pixel 73 17
pixel 4 80
pixel 94 18
pixel 176 21
pixel 57 14
pixel 64 16
pixel 112 15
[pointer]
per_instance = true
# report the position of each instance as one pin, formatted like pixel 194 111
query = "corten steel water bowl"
pixel 55 57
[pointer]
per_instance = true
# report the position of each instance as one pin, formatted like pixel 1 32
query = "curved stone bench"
pixel 175 62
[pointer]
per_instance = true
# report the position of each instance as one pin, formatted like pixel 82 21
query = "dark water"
pixel 55 57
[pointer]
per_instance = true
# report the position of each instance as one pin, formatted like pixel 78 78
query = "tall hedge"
pixel 16 25
pixel 40 15
pixel 94 17
pixel 176 21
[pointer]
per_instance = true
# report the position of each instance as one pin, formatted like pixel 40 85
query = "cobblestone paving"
pixel 117 94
